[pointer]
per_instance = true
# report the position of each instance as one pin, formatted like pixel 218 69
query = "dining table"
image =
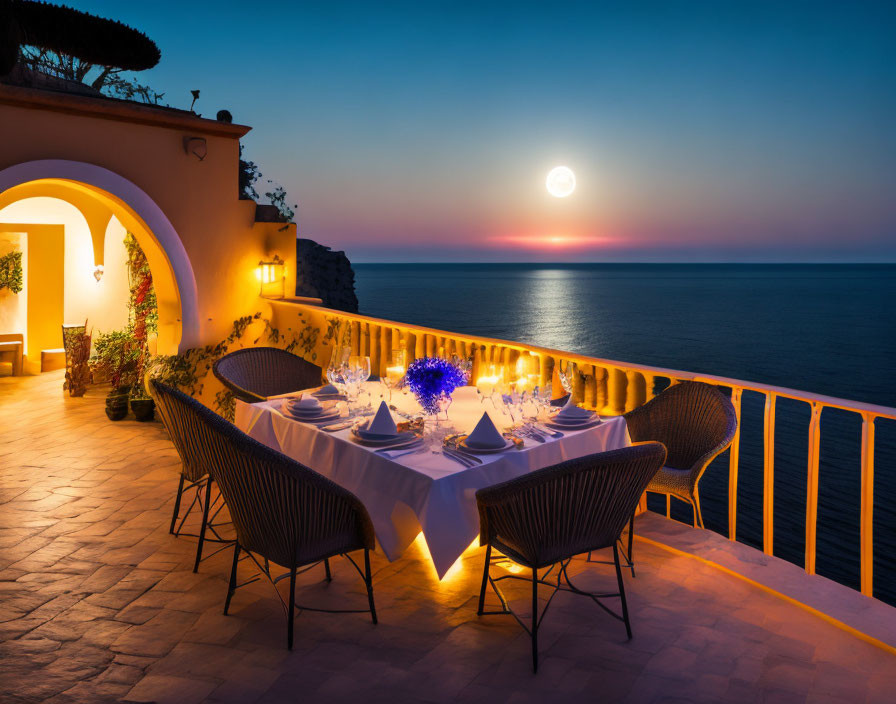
pixel 422 489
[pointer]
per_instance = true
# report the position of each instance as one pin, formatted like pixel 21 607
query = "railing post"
pixel 812 486
pixel 768 490
pixel 866 533
pixel 733 457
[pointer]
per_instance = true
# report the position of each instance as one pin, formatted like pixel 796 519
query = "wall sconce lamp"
pixel 98 272
pixel 197 146
pixel 271 274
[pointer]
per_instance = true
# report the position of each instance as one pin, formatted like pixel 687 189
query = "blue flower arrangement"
pixel 430 379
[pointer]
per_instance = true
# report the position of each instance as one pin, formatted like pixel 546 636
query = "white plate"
pixel 383 441
pixel 579 426
pixel 486 450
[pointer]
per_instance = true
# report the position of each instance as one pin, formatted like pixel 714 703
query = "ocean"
pixel 827 328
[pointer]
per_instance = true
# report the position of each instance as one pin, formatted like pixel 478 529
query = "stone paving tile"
pixel 98 603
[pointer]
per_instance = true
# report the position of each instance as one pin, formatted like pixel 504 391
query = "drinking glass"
pixel 395 371
pixel 567 378
pixel 358 371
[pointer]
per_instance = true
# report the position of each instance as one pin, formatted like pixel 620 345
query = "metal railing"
pixel 614 387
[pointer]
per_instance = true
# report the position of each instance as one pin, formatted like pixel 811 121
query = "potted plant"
pixel 119 354
pixel 141 404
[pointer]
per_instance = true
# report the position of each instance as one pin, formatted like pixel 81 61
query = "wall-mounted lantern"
pixel 197 146
pixel 271 275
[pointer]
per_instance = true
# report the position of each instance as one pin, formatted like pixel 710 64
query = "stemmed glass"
pixel 395 371
pixel 337 367
pixel 357 371
pixel 488 382
pixel 567 379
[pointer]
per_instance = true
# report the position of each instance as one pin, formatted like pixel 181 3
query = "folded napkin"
pixel 382 423
pixel 328 390
pixel 572 412
pixel 305 402
pixel 485 435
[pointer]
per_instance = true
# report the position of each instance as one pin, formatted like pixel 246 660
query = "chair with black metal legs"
pixel 255 373
pixel 194 476
pixel 283 512
pixel 545 518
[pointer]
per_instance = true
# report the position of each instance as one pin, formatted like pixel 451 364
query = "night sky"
pixel 423 131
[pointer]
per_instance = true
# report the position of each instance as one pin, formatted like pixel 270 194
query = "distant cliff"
pixel 322 273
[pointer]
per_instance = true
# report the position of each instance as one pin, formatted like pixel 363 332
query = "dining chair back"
pixel 696 422
pixel 281 510
pixel 254 373
pixel 184 428
pixel 547 517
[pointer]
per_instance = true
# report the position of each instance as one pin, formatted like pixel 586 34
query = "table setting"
pixel 416 445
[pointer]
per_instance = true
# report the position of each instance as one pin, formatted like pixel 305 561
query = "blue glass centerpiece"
pixel 432 380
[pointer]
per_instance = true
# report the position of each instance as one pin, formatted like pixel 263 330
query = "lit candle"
pixel 395 373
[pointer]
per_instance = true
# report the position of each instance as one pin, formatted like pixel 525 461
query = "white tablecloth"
pixel 420 491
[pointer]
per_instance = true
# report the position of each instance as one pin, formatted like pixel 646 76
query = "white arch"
pixel 143 205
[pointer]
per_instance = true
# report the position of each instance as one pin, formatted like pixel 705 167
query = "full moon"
pixel 561 182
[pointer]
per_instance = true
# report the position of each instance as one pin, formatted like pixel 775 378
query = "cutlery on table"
pixel 453 443
pixel 406 416
pixel 465 460
pixel 534 434
pixel 552 433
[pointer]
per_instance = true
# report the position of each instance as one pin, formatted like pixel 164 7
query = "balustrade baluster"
pixel 768 488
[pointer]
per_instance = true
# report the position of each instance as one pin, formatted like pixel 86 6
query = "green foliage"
pixel 11 272
pixel 189 370
pixel 249 174
pixel 118 352
pixel 278 198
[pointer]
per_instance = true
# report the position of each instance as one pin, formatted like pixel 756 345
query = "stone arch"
pixel 100 190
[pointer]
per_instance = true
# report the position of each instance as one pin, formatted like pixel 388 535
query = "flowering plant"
pixel 431 379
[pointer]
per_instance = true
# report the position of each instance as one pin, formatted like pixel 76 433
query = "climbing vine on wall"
pixel 189 371
pixel 11 271
pixel 143 312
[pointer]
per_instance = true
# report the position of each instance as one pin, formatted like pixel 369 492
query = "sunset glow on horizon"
pixel 425 132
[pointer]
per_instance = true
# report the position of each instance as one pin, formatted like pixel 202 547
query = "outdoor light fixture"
pixel 197 146
pixel 271 275
pixel 98 272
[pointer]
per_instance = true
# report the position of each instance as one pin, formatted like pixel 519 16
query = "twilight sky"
pixel 423 131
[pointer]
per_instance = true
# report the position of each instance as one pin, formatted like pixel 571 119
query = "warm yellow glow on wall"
pixel 98 208
pixel 271 274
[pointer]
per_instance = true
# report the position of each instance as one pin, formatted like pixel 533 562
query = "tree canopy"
pixel 64 30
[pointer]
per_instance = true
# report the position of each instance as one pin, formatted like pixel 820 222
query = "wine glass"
pixel 359 366
pixel 395 371
pixel 567 379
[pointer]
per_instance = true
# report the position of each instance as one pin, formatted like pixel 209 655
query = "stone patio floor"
pixel 98 603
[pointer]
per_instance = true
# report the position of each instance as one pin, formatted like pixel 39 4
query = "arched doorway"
pixel 103 198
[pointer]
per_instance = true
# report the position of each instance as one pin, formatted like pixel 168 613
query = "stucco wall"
pixel 103 303
pixel 199 198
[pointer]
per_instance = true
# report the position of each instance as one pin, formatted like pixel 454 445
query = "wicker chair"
pixel 255 373
pixel 546 517
pixel 282 512
pixel 696 422
pixel 194 475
